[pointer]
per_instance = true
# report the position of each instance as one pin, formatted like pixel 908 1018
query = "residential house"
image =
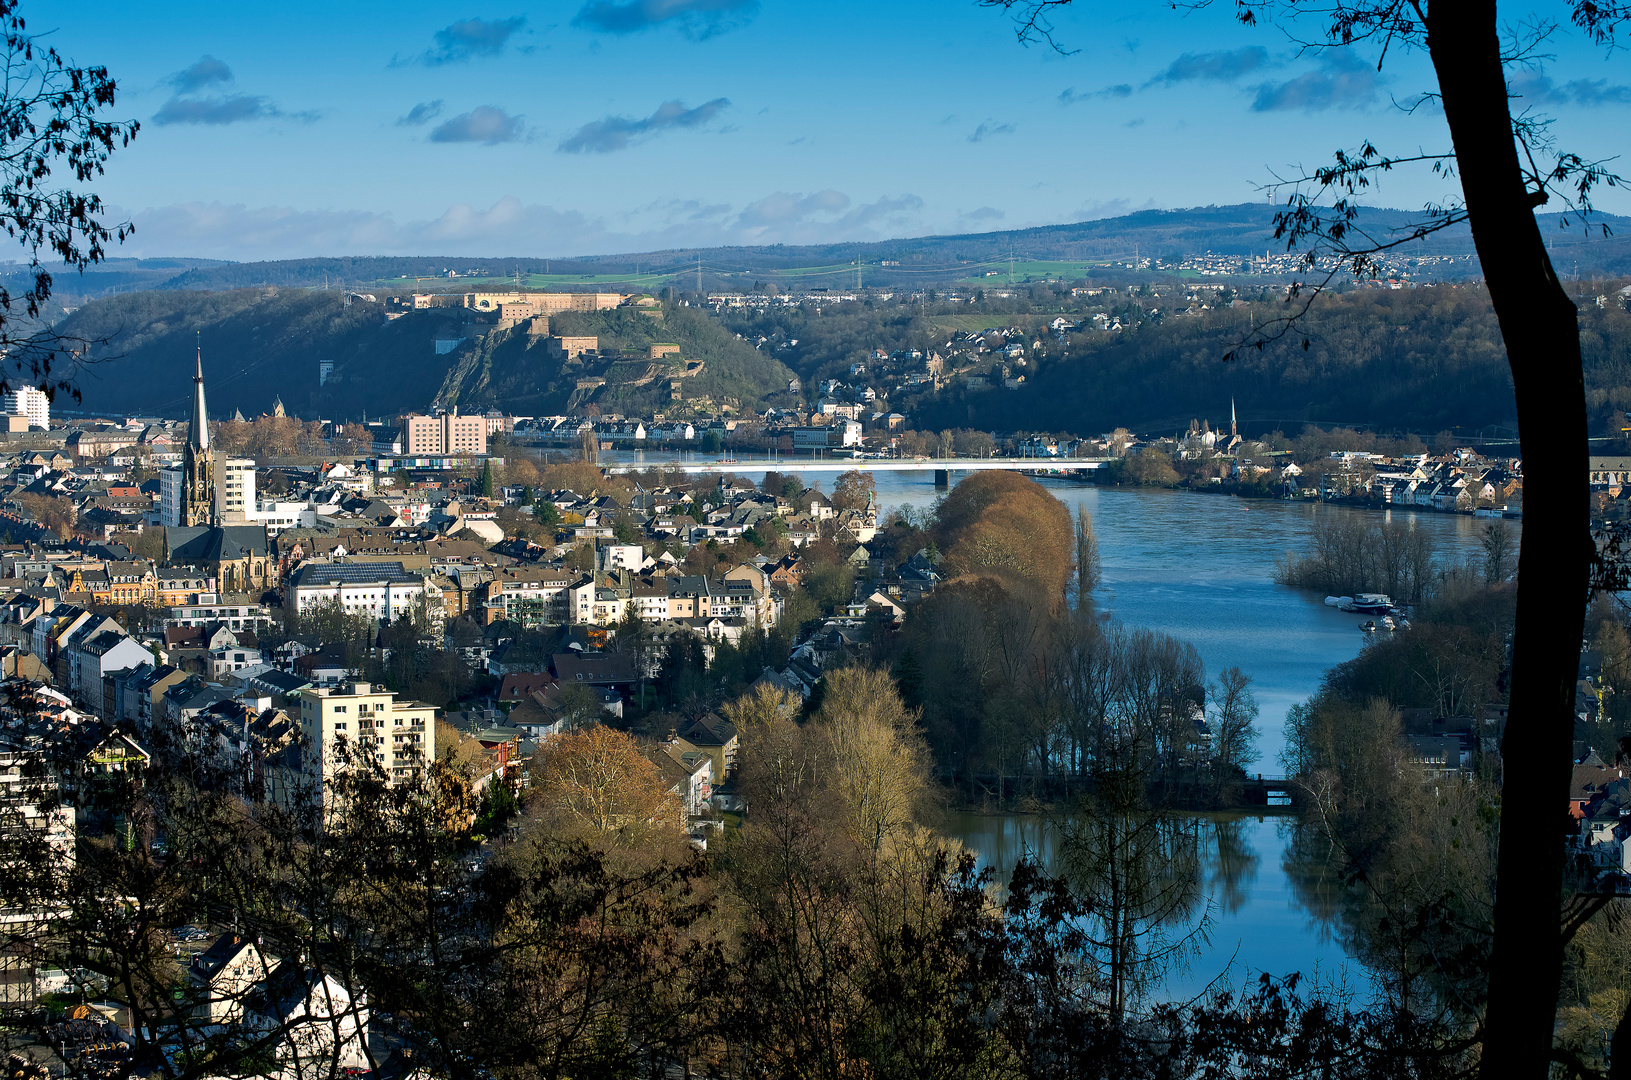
pixel 713 736
pixel 93 659
pixel 223 976
pixel 686 774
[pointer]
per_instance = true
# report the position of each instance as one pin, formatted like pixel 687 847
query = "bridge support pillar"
pixel 942 478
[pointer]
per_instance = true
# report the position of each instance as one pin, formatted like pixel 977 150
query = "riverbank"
pixel 1274 493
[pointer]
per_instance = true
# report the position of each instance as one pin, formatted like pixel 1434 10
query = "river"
pixel 1255 920
pixel 1200 566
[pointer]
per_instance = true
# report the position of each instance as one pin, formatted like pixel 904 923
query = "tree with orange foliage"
pixel 596 780
pixel 1001 525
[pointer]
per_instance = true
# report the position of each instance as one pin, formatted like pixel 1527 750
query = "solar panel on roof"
pixel 353 573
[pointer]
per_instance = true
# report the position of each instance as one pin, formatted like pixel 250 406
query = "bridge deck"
pixel 838 464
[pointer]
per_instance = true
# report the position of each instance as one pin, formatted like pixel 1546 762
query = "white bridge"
pixel 941 467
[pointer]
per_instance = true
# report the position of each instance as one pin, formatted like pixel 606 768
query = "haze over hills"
pixel 1161 235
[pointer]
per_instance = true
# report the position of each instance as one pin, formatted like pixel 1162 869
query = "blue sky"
pixel 598 126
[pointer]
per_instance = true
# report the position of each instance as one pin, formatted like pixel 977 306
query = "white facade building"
pixel 29 401
pixel 357 719
pixel 621 556
pixel 171 482
pixel 234 490
pixel 382 592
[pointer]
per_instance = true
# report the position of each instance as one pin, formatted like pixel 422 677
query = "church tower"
pixel 198 460
pixel 1234 432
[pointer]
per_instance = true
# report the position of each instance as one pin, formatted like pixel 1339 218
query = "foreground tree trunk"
pixel 1538 325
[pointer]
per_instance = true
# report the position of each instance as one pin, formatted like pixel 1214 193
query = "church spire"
pixel 197 460
pixel 1234 432
pixel 198 435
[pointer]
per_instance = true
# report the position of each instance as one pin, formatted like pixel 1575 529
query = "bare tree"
pixel 49 121
pixel 1497 541
pixel 1234 715
pixel 1088 571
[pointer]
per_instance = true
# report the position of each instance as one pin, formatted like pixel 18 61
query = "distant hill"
pixel 1240 229
pixel 1413 360
pixel 262 344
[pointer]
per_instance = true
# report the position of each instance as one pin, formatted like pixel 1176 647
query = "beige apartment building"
pixel 449 433
pixel 400 736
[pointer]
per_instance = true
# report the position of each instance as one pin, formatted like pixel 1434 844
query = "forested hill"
pixel 1420 360
pixel 1240 229
pixel 1414 359
pixel 263 344
pixel 1417 360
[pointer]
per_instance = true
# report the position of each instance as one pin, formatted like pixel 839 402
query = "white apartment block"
pixel 383 592
pixel 620 556
pixel 233 616
pixel 29 401
pixel 277 516
pixel 531 599
pixel 358 718
pixel 234 490
pixel 171 482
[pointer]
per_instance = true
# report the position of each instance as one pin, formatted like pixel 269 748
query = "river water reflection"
pixel 1257 922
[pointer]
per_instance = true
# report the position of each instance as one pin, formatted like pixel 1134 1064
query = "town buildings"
pixel 380 591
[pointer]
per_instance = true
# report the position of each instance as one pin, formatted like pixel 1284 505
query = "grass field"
pixel 1035 269
pixel 837 275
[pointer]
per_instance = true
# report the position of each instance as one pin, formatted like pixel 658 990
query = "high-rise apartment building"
pixel 235 491
pixel 449 433
pixel 357 724
pixel 29 401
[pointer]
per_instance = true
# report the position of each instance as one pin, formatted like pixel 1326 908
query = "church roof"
pixel 200 544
